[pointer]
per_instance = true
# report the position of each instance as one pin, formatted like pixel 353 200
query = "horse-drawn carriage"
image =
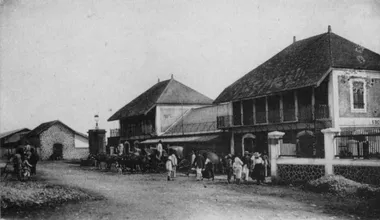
pixel 145 160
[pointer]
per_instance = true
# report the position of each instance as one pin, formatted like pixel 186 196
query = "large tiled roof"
pixel 8 133
pixel 198 120
pixel 165 92
pixel 301 64
pixel 44 126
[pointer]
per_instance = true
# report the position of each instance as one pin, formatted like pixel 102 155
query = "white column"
pixel 158 120
pixel 329 134
pixel 274 142
pixel 335 99
pixel 232 143
pixel 296 104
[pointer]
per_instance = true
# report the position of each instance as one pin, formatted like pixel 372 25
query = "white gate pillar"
pixel 274 142
pixel 329 134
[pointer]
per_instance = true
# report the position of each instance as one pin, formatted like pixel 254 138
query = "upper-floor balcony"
pixel 306 114
pixel 132 132
pixel 115 132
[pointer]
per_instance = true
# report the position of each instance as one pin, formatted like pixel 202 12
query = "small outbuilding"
pixel 55 140
pixel 11 139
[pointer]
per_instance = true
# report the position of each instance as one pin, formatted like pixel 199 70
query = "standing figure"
pixel 266 164
pixel 34 158
pixel 120 149
pixel 169 167
pixel 174 160
pixel 209 170
pixel 159 150
pixel 192 159
pixel 258 168
pixel 199 165
pixel 229 167
pixel 238 168
pixel 246 165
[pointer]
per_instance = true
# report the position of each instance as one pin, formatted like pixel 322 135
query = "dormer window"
pixel 358 96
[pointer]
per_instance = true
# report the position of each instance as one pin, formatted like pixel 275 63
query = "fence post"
pixel 274 142
pixel 329 134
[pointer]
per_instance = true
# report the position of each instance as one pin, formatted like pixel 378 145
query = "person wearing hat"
pixel 246 165
pixel 258 168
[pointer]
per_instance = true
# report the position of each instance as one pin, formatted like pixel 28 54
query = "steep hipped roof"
pixel 8 133
pixel 303 63
pixel 44 126
pixel 165 92
pixel 198 120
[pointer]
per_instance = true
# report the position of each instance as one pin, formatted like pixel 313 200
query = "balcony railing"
pixel 305 114
pixel 115 132
pixel 322 112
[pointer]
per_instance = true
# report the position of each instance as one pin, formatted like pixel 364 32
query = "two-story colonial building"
pixel 319 82
pixel 154 111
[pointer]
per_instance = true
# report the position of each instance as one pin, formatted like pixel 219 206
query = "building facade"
pixel 324 81
pixel 58 140
pixel 154 111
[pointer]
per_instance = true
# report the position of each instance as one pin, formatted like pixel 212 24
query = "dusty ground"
pixel 150 196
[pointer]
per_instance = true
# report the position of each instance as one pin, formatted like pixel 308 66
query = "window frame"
pixel 353 109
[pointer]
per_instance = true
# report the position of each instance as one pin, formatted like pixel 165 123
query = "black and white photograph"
pixel 190 109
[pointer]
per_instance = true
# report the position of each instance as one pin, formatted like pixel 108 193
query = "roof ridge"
pixel 163 91
pixel 330 50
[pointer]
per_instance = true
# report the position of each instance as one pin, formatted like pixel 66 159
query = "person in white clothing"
pixel 174 160
pixel 238 167
pixel 258 168
pixel 169 167
pixel 159 150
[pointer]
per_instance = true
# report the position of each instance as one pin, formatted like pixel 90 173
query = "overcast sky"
pixel 72 59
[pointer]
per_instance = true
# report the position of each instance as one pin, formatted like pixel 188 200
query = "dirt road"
pixel 150 196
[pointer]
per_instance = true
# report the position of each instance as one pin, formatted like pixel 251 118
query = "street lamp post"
pixel 96 120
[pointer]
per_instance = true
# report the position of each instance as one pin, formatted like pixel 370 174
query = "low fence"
pixel 365 169
pixel 362 144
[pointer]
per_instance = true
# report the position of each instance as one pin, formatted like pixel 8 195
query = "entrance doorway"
pixel 57 151
pixel 249 143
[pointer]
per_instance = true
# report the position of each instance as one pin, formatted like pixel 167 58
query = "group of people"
pixel 254 166
pixel 25 156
